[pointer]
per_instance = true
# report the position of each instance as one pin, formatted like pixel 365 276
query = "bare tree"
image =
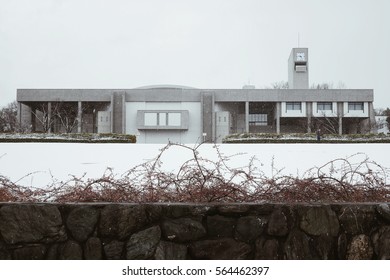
pixel 329 85
pixel 278 85
pixel 43 117
pixel 8 118
pixel 66 113
pixel 328 124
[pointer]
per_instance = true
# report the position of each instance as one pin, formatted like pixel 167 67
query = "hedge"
pixel 67 138
pixel 305 138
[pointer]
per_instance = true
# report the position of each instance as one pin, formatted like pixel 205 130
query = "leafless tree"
pixel 42 116
pixel 8 118
pixel 66 113
pixel 328 124
pixel 278 85
pixel 329 85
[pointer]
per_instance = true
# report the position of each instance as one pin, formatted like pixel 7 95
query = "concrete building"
pixel 381 124
pixel 158 114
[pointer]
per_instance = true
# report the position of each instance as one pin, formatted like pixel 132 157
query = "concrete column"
pixel 34 119
pixel 340 113
pixel 340 125
pixel 49 115
pixel 208 119
pixel 247 117
pixel 25 116
pixel 124 113
pixel 309 113
pixel 371 118
pixel 278 108
pixel 79 116
pixel 112 113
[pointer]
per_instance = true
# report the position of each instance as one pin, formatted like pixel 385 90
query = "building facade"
pixel 382 125
pixel 158 114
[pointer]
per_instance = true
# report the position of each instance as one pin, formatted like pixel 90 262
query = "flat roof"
pixel 169 94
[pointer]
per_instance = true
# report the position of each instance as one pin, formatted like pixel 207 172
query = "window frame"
pixel 324 106
pixel 293 106
pixel 163 119
pixel 352 106
pixel 258 119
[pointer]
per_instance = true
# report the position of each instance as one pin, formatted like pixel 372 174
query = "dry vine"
pixel 202 180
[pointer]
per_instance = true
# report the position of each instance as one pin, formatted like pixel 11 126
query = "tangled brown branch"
pixel 203 180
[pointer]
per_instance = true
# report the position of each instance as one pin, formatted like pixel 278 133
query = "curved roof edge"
pixel 165 87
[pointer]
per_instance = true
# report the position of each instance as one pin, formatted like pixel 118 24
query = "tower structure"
pixel 298 69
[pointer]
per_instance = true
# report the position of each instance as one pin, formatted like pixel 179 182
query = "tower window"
pixel 300 68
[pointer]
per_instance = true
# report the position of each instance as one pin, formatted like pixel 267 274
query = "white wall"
pixel 293 113
pixel 356 113
pixel 325 113
pixel 222 125
pixel 104 121
pixel 381 124
pixel 192 135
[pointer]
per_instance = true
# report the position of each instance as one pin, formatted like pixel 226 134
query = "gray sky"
pixel 199 43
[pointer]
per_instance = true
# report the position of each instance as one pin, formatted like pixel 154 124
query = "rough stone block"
pixel 113 250
pixel 143 244
pixel 31 223
pixel 381 240
pixel 234 209
pixel 384 211
pixel 93 249
pixel 267 249
pixel 182 230
pixel 297 246
pixel 220 249
pixel 30 252
pixel 70 250
pixel 277 224
pixel 249 228
pixel 82 221
pixel 360 248
pixel 120 221
pixel 319 220
pixel 220 226
pixel 4 254
pixel 357 219
pixel 170 251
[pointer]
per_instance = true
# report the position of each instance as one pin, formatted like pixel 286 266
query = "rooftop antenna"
pixel 298 39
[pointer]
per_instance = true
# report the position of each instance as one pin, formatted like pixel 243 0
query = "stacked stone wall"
pixel 191 231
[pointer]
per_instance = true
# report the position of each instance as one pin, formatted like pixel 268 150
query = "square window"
pixel 293 106
pixel 150 119
pixel 174 119
pixel 162 119
pixel 258 119
pixel 324 106
pixel 355 106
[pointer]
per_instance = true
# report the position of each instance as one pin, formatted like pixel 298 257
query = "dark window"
pixel 355 106
pixel 293 106
pixel 324 106
pixel 258 119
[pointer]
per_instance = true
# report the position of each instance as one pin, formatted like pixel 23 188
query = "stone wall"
pixel 183 231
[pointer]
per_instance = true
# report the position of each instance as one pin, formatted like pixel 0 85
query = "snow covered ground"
pixel 59 161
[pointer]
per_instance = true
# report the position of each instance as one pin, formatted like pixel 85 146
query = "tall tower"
pixel 298 69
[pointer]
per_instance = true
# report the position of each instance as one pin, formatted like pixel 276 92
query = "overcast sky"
pixel 198 43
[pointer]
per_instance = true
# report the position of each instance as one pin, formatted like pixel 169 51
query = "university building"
pixel 158 114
